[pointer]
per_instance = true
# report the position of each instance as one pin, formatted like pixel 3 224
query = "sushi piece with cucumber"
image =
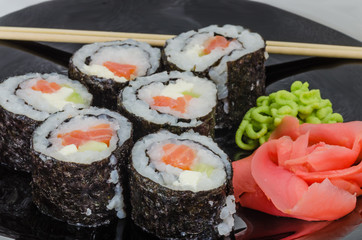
pixel 180 187
pixel 80 159
pixel 231 56
pixel 177 101
pixel 107 67
pixel 25 102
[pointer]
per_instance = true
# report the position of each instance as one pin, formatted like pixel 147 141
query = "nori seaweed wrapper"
pixel 106 90
pixel 176 214
pixel 15 133
pixel 80 193
pixel 245 83
pixel 142 126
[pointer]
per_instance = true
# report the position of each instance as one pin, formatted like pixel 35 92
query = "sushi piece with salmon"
pixel 25 102
pixel 180 187
pixel 107 67
pixel 175 101
pixel 80 160
pixel 231 56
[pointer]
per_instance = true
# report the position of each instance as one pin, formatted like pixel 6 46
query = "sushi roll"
pixel 79 164
pixel 175 101
pixel 180 187
pixel 26 101
pixel 107 67
pixel 232 57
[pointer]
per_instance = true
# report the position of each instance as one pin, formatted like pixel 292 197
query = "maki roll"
pixel 79 159
pixel 26 101
pixel 180 186
pixel 175 101
pixel 232 57
pixel 107 67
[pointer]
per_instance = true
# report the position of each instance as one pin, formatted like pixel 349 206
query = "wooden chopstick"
pixel 65 38
pixel 76 36
pixel 330 52
pixel 87 33
pixel 86 36
pixel 312 49
pixel 311 45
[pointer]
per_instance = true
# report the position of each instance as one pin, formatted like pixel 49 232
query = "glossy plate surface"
pixel 339 80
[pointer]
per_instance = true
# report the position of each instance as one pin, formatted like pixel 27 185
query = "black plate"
pixel 338 79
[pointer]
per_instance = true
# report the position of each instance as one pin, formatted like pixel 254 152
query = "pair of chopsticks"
pixel 83 36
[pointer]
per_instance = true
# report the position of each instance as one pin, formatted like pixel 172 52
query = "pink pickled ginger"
pixel 308 171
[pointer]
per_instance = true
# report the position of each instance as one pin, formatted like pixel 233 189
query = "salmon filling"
pixel 175 96
pixel 56 94
pixel 179 104
pixel 46 87
pixel 121 70
pixel 180 156
pixel 215 42
pixel 188 159
pixel 99 133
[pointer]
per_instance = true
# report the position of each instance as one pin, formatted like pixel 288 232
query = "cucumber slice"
pixel 202 167
pixel 93 146
pixel 192 94
pixel 74 97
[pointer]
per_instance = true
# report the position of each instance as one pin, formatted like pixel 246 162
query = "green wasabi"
pixel 307 105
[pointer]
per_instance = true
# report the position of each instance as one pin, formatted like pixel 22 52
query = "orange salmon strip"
pixel 46 87
pixel 178 104
pixel 180 156
pixel 215 42
pixel 120 70
pixel 99 133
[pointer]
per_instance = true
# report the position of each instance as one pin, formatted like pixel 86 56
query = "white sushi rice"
pixel 17 95
pixel 147 154
pixel 117 202
pixel 46 142
pixel 137 98
pixel 140 54
pixel 183 51
pixel 227 215
pixel 187 47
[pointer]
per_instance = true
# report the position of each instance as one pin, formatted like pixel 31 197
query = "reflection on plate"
pixel 264 226
pixel 339 80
